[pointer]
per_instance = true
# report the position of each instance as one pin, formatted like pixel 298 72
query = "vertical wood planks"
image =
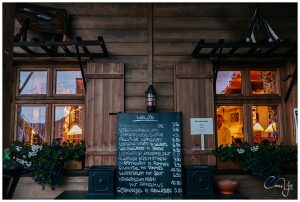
pixel 195 99
pixel 105 95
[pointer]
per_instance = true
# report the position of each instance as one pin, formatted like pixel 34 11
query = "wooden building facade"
pixel 152 44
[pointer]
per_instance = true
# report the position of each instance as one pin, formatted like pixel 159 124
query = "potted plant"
pixel 47 162
pixel 262 160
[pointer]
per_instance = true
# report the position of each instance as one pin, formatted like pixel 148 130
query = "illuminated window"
pixel 32 82
pixel 263 82
pixel 69 82
pixel 265 124
pixel 228 82
pixel 31 122
pixel 43 119
pixel 230 125
pixel 69 122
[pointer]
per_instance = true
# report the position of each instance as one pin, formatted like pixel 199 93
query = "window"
pixel 32 82
pixel 263 82
pixel 68 123
pixel 265 124
pixel 69 82
pixel 31 122
pixel 247 106
pixel 49 104
pixel 229 82
pixel 230 124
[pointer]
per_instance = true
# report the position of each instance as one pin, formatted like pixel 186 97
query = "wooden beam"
pixel 103 46
pixel 9 73
pixel 45 48
pixel 65 48
pixel 198 47
pixel 104 76
pixel 150 44
pixel 252 55
pixel 275 48
pixel 81 67
pixel 58 55
pixel 83 47
pixel 217 47
pixel 28 50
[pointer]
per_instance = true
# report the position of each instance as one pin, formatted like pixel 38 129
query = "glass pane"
pixel 265 124
pixel 69 123
pixel 230 125
pixel 69 82
pixel 229 82
pixel 31 124
pixel 33 82
pixel 263 82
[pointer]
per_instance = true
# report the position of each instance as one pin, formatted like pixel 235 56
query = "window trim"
pixel 242 76
pixel 48 100
pixel 246 99
pixel 55 70
pixel 53 118
pixel 280 117
pixel 47 134
pixel 28 96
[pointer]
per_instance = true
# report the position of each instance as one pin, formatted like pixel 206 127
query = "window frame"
pixel 246 99
pixel 242 76
pixel 47 134
pixel 55 70
pixel 49 99
pixel 18 95
pixel 53 117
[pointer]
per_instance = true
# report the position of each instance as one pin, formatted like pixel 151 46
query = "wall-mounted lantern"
pixel 150 99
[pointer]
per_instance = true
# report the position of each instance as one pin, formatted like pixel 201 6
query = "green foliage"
pixel 261 160
pixel 46 162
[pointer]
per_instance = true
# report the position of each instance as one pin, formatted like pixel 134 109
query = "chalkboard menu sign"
pixel 149 154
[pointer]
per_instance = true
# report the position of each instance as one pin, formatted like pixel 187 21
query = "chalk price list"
pixel 149 159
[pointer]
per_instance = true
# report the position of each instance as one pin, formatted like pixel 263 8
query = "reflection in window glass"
pixel 33 82
pixel 228 82
pixel 69 82
pixel 265 124
pixel 230 125
pixel 263 82
pixel 68 123
pixel 31 124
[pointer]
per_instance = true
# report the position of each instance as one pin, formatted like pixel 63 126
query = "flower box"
pixel 74 165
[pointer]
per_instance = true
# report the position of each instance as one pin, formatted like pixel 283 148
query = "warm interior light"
pixel 237 131
pixel 258 127
pixel 271 128
pixel 75 130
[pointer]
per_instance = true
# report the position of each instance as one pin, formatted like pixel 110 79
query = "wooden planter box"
pixel 74 165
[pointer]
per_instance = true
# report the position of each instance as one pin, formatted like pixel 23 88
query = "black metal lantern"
pixel 150 99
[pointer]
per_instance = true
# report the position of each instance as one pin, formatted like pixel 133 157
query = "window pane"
pixel 69 82
pixel 31 124
pixel 230 125
pixel 68 123
pixel 265 124
pixel 33 82
pixel 229 82
pixel 263 82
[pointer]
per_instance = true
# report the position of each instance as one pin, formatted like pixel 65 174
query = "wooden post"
pixel 150 44
pixel 8 15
